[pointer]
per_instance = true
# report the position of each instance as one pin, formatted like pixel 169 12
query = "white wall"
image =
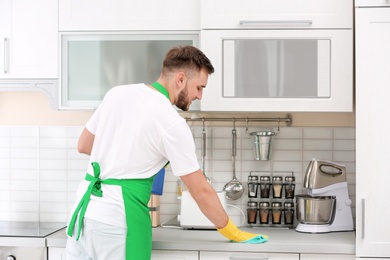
pixel 40 167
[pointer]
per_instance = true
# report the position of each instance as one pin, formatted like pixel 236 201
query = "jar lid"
pixel 265 178
pixel 253 178
pixel 288 204
pixel 264 205
pixel 277 178
pixel 252 204
pixel 276 204
pixel 289 178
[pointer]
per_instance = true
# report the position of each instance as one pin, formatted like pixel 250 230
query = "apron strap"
pixel 95 188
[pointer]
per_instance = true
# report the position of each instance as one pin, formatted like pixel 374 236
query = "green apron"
pixel 136 195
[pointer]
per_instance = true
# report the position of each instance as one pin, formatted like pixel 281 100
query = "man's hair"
pixel 187 58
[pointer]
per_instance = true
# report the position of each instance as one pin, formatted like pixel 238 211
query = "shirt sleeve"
pixel 179 148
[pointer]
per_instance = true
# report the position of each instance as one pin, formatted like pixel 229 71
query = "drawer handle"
pixel 275 22
pixel 363 217
pixel 5 55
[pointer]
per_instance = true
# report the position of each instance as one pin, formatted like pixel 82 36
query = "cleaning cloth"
pixel 256 240
pixel 234 234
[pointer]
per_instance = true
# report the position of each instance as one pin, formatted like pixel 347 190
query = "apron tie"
pixel 94 188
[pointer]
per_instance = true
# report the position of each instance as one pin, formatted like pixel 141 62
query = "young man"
pixel 132 135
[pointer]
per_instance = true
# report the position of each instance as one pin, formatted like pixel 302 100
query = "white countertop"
pixel 281 241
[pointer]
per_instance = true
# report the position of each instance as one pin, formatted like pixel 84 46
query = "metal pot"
pixel 315 210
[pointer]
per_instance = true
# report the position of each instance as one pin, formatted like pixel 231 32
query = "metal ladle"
pixel 234 188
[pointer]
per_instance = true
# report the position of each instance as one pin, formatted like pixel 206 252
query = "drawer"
pixel 222 14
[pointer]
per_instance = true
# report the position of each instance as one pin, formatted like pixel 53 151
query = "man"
pixel 133 134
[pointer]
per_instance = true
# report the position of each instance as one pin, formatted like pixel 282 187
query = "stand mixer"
pixel 325 181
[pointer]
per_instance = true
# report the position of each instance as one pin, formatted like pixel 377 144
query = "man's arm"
pixel 85 142
pixel 206 198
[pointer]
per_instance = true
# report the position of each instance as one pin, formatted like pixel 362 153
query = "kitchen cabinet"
pixel 231 14
pixel 372 147
pixel 28 39
pixel 56 253
pixel 125 15
pixel 174 255
pixel 278 57
pixel 93 63
pixel 246 256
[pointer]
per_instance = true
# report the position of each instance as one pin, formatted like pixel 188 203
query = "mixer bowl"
pixel 315 210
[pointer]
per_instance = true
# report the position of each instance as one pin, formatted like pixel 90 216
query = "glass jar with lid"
pixel 252 186
pixel 276 212
pixel 264 186
pixel 252 212
pixel 264 212
pixel 277 186
pixel 289 187
pixel 288 213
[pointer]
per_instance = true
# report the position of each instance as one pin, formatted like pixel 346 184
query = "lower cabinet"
pixel 57 253
pixel 246 256
pixel 174 255
pixel 60 254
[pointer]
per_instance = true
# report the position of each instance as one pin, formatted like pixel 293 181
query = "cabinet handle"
pixel 275 22
pixel 363 217
pixel 245 258
pixel 5 55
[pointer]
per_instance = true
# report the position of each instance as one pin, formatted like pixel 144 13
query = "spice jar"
pixel 252 186
pixel 252 212
pixel 288 213
pixel 264 212
pixel 277 186
pixel 289 187
pixel 264 186
pixel 276 212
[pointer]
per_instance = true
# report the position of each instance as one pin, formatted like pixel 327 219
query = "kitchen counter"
pixel 281 241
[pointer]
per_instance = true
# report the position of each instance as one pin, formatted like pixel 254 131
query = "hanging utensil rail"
pixel 287 119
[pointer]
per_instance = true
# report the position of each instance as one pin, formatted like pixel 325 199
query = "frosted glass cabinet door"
pixel 279 70
pixel 93 64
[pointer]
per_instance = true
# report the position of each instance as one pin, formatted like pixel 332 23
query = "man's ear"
pixel 181 80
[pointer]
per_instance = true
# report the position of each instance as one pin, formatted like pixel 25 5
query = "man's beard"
pixel 182 101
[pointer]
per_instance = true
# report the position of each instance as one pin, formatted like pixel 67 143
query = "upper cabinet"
pixel 279 56
pixel 28 39
pixel 125 15
pixel 93 63
pixel 230 14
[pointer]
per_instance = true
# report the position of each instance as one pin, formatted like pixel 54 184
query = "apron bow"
pixel 95 188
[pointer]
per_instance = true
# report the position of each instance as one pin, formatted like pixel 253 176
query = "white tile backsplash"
pixel 40 167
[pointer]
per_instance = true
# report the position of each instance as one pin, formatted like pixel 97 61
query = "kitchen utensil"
pixel 317 210
pixel 234 188
pixel 262 144
pixel 203 148
pixel 327 189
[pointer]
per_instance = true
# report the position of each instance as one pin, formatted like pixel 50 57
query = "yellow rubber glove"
pixel 234 234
